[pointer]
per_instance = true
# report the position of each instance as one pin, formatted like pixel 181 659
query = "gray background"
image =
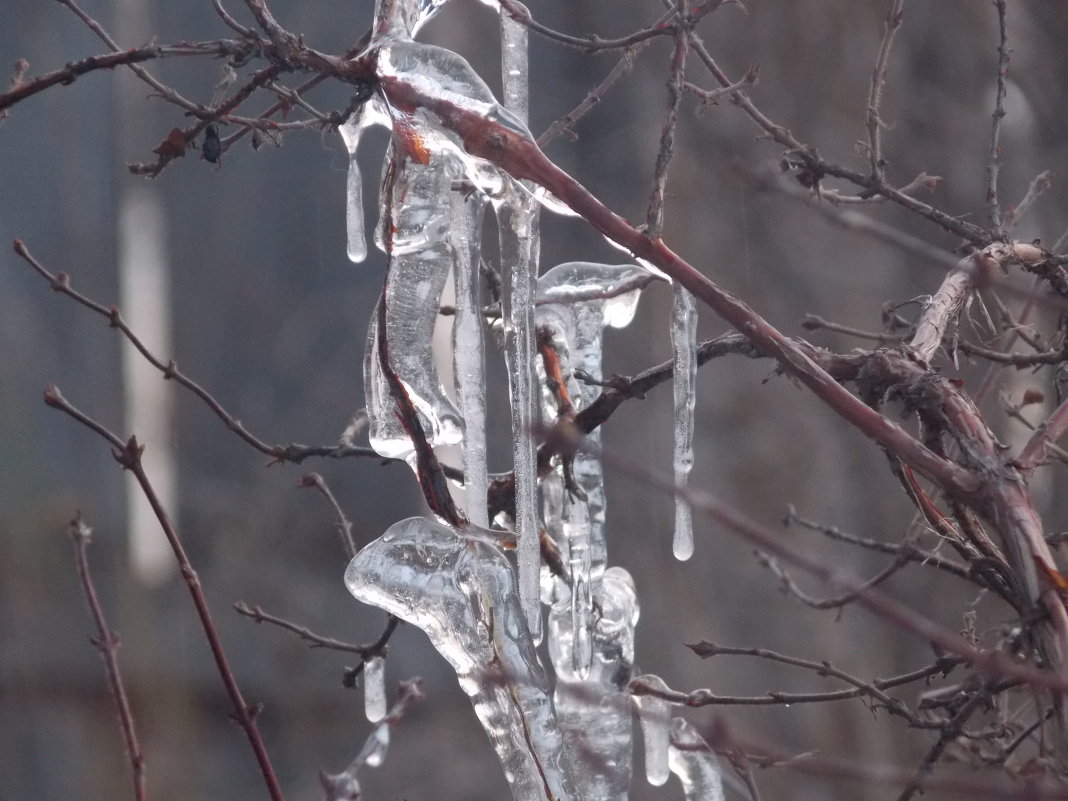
pixel 270 316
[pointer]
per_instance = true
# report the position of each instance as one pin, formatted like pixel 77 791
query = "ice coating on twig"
pixel 461 592
pixel 345 786
pixel 403 17
pixel 520 243
pixel 694 763
pixel 655 716
pixel 468 346
pixel 602 752
pixel 684 345
pixel 576 300
pixel 374 688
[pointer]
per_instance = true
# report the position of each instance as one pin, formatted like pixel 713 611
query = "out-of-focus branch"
pixel 128 455
pixel 60 283
pixel 107 643
pixel 994 159
pixel 875 93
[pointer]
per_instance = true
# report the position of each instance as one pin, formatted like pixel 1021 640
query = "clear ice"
pixel 684 345
pixel 520 244
pixel 576 300
pixel 374 688
pixel 694 763
pixel 468 346
pixel 655 716
pixel 601 753
pixel 461 591
pixel 350 132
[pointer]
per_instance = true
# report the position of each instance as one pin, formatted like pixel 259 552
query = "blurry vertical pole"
pixel 144 299
pixel 517 221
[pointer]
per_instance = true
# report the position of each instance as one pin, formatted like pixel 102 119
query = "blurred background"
pixel 240 274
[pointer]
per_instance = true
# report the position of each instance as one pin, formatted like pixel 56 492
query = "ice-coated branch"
pixel 461 591
pixel 345 786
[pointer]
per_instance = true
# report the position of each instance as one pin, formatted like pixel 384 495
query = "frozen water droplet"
pixel 374 688
pixel 655 716
pixel 461 591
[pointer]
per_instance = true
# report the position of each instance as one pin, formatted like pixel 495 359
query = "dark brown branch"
pixel 344 525
pixel 365 651
pixel 128 455
pixel 107 643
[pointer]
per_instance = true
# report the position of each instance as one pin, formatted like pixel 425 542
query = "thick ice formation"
pixel 602 752
pixel 461 592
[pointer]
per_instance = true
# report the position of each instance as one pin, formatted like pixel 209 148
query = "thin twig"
pixel 344 525
pixel 875 93
pixel 128 455
pixel 365 651
pixel 60 282
pixel 107 643
pixel 994 158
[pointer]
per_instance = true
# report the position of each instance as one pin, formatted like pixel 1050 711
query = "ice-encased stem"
pixel 517 220
pixel 655 716
pixel 602 752
pixel 417 198
pixel 684 347
pixel 468 351
pixel 350 131
pixel 461 591
pixel 374 688
pixel 694 763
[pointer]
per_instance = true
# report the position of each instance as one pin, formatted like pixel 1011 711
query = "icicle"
pixel 602 753
pixel 357 240
pixel 694 763
pixel 461 592
pixel 468 348
pixel 374 688
pixel 517 221
pixel 655 716
pixel 351 131
pixel 518 226
pixel 684 344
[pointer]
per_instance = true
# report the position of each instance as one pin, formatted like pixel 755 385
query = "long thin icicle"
pixel 517 221
pixel 461 591
pixel 684 345
pixel 468 347
pixel 354 226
